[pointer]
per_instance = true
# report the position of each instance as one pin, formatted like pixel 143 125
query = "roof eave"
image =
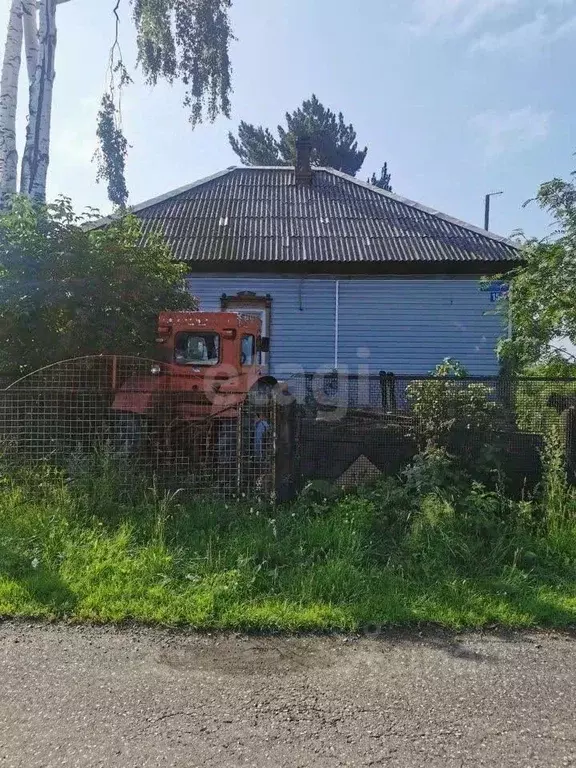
pixel 102 222
pixel 424 208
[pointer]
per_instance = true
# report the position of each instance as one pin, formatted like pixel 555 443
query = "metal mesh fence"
pixel 355 428
pixel 126 417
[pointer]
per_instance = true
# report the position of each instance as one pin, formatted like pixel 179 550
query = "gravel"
pixel 135 697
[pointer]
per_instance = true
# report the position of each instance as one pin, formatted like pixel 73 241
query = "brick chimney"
pixel 303 168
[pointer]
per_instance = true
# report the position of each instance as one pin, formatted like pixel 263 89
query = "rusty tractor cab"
pixel 208 401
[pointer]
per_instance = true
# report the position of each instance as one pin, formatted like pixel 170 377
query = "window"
pixel 248 350
pixel 197 349
pixel 248 303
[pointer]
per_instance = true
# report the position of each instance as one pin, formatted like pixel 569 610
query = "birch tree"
pixel 36 150
pixel 31 41
pixel 9 101
pixel 178 40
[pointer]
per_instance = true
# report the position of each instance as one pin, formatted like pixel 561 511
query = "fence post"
pixel 569 423
pixel 240 442
pixel 392 390
pixel 384 389
pixel 286 469
pixel 388 391
pixel 114 372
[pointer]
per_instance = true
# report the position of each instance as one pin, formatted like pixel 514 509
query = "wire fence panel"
pixel 132 418
pixel 354 424
pixel 137 418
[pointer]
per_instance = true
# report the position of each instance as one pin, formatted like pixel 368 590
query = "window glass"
pixel 248 350
pixel 197 348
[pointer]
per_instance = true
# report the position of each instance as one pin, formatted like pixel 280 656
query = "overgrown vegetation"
pixel 66 290
pixel 431 546
pixel 542 300
pixel 461 416
pixel 540 402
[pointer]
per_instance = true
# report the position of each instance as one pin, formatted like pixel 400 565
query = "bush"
pixel 458 415
pixel 69 290
pixel 539 403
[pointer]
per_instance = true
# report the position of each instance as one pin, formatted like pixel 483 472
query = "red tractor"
pixel 207 403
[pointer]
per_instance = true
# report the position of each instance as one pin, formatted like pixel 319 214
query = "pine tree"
pixel 334 143
pixel 382 181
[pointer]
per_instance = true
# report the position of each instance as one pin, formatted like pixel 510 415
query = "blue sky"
pixel 460 97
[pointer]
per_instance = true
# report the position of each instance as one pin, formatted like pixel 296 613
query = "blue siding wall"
pixel 403 325
pixel 300 338
pixel 410 325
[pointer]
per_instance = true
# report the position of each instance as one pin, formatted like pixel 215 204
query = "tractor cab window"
pixel 197 348
pixel 248 350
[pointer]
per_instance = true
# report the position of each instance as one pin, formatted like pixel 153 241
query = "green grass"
pixel 430 547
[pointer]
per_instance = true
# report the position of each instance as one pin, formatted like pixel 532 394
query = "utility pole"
pixel 487 209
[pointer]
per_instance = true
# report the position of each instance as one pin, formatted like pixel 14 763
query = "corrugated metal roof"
pixel 260 215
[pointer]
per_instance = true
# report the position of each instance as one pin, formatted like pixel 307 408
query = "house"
pixel 344 275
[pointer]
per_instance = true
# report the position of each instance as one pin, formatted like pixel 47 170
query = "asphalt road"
pixel 143 697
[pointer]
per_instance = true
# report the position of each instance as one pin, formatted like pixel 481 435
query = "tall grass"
pixel 430 546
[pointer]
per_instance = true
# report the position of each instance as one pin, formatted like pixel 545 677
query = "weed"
pixel 432 545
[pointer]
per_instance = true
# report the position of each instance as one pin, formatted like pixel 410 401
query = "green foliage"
pixel 431 469
pixel 334 143
pixel 453 413
pixel 433 547
pixel 558 497
pixel 543 296
pixel 67 291
pixel 111 152
pixel 540 403
pixel 180 40
pixel 383 180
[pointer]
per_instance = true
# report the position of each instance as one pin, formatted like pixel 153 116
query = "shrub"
pixel 539 403
pixel 456 414
pixel 69 290
pixel 434 469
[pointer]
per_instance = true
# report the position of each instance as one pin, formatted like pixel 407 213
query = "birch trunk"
pixel 9 102
pixel 36 151
pixel 31 41
pixel 44 118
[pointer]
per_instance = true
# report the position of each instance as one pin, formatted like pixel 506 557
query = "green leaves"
pixel 111 152
pixel 543 296
pixel 456 414
pixel 67 291
pixel 188 40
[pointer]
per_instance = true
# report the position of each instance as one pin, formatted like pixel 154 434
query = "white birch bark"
pixel 44 118
pixel 38 85
pixel 37 149
pixel 9 102
pixel 31 41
